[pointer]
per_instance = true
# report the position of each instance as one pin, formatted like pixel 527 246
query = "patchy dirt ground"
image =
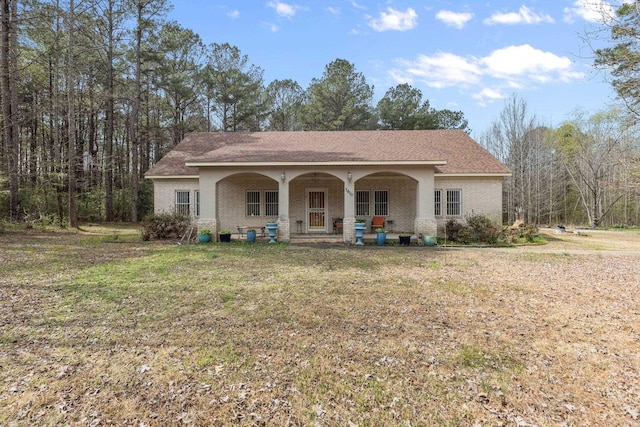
pixel 101 331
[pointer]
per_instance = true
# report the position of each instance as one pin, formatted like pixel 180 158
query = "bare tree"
pixel 514 140
pixel 594 151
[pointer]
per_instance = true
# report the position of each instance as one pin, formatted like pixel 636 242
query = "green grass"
pixel 122 331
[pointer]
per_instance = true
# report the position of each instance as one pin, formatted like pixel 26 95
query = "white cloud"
pixel 283 9
pixel 395 20
pixel 528 63
pixel 234 14
pixel 590 10
pixel 454 19
pixel 507 68
pixel 334 10
pixel 523 16
pixel 441 70
pixel 488 95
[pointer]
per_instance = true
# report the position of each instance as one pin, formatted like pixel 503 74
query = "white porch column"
pixel 284 224
pixel 348 233
pixel 208 187
pixel 425 222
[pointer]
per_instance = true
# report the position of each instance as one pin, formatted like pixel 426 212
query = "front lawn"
pixel 108 330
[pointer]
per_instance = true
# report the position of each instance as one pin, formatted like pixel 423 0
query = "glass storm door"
pixel 316 210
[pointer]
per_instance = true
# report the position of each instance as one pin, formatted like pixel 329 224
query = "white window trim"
pixel 444 205
pixel 387 203
pixel 368 204
pixel 459 203
pixel 246 204
pixel 262 204
pixel 277 204
pixel 177 206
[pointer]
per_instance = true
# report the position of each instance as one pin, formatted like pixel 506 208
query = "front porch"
pixel 306 204
pixel 338 239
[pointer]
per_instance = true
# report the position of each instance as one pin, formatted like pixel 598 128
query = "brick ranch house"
pixel 321 182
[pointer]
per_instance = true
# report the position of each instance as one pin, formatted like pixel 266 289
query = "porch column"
pixel 284 226
pixel 208 187
pixel 349 219
pixel 425 222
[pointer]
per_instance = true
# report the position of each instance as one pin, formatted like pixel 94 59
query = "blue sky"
pixel 469 56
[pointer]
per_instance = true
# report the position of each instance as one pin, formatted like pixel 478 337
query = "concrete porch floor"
pixel 368 238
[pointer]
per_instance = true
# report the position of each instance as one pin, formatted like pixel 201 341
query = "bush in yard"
pixel 452 228
pixel 483 229
pixel 164 226
pixel 478 229
pixel 521 233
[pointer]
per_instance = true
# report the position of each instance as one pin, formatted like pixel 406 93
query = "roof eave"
pixel 480 174
pixel 172 176
pixel 332 163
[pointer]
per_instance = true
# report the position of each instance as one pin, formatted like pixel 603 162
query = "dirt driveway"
pixel 584 241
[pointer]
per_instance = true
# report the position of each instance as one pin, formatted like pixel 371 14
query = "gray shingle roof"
pixel 462 154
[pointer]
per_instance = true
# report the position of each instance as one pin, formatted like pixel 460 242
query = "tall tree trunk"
pixel 71 120
pixel 109 164
pixel 9 94
pixel 135 145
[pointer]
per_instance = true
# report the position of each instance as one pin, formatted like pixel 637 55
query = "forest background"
pixel 94 93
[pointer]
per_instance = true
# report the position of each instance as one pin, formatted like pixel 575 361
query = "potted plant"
pixel 359 226
pixel 251 235
pixel 429 240
pixel 204 235
pixel 225 235
pixel 405 239
pixel 272 227
pixel 381 236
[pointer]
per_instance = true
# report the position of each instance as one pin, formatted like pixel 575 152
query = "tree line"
pixel 587 170
pixel 94 92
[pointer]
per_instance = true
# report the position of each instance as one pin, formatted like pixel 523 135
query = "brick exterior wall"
pixel 164 194
pixel 480 195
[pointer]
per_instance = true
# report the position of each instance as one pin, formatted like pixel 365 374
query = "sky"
pixel 469 55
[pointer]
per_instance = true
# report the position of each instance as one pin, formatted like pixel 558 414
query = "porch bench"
pixel 242 229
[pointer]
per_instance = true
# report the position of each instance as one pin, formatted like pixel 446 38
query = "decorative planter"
pixel 272 228
pixel 429 240
pixel 381 238
pixel 204 238
pixel 225 237
pixel 405 240
pixel 359 227
pixel 251 236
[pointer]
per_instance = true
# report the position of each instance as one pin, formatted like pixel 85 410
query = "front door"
pixel 317 210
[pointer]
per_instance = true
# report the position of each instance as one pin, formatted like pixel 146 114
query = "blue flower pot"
pixel 429 240
pixel 204 238
pixel 251 236
pixel 359 227
pixel 381 238
pixel 272 228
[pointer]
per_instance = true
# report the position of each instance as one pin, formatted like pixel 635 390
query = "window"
pixel 253 203
pixel 438 202
pixel 183 206
pixel 196 195
pixel 362 203
pixel 381 202
pixel 271 203
pixel 454 202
